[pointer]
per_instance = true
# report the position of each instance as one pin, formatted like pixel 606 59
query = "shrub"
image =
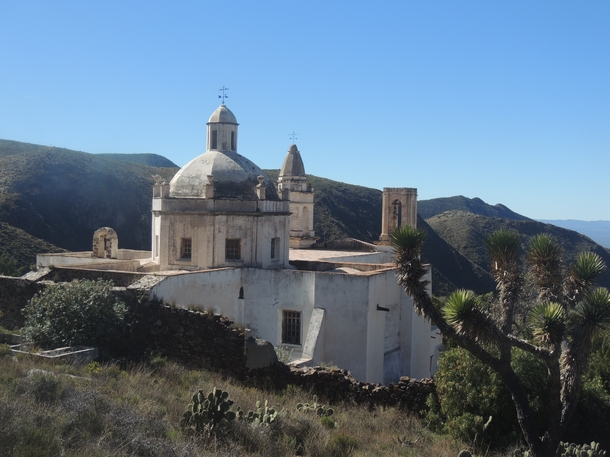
pixel 342 446
pixel 82 312
pixel 473 405
pixel 8 266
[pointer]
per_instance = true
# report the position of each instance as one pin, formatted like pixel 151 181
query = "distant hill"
pixel 21 246
pixel 435 206
pixel 63 196
pixel 450 269
pixel 598 231
pixel 152 160
pixel 466 232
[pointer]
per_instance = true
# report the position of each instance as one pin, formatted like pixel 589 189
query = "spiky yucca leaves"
pixel 548 322
pixel 463 312
pixel 593 313
pixel 408 243
pixel 544 258
pixel 503 247
pixel 582 276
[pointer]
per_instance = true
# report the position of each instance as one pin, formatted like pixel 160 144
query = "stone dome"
pixel 293 164
pixel 234 177
pixel 223 115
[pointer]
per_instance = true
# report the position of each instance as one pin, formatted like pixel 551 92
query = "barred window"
pixel 275 248
pixel 185 248
pixel 291 327
pixel 233 249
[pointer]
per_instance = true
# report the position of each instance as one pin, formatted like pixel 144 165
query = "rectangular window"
pixel 275 248
pixel 233 249
pixel 214 140
pixel 185 248
pixel 291 327
pixel 232 141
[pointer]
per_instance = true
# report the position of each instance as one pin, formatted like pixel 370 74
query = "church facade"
pixel 225 238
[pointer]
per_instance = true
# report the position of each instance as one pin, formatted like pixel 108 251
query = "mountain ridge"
pixel 60 196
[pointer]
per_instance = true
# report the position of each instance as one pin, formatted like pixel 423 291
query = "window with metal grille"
pixel 291 327
pixel 186 247
pixel 233 249
pixel 275 248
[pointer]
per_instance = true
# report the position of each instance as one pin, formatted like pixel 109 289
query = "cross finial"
pixel 293 136
pixel 223 96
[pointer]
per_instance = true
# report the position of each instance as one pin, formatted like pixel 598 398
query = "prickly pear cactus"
pixel 579 450
pixel 206 412
pixel 320 410
pixel 262 416
pixel 571 450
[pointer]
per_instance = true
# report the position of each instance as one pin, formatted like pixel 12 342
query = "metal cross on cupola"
pixel 224 95
pixel 293 136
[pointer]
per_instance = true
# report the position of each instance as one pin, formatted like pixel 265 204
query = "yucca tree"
pixel 561 325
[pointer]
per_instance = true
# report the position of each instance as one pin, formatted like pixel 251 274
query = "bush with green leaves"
pixel 79 313
pixel 8 266
pixel 472 403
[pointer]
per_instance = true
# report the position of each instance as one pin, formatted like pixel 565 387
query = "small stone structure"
pixel 105 243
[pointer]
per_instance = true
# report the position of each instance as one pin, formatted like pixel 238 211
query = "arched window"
pixel 397 215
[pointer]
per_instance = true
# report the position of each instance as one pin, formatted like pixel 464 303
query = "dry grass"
pixel 52 409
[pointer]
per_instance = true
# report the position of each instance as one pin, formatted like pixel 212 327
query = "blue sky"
pixel 508 101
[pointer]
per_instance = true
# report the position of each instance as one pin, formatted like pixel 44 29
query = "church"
pixel 225 238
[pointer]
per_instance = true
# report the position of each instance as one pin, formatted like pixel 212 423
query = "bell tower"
pixel 292 185
pixel 222 130
pixel 399 208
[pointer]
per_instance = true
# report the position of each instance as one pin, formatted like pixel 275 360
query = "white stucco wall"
pixel 355 335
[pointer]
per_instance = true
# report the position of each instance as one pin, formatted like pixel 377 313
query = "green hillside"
pixel 21 246
pixel 435 206
pixel 466 231
pixel 343 210
pixel 63 196
pixel 152 160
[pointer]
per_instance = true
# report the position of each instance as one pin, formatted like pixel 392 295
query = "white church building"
pixel 224 237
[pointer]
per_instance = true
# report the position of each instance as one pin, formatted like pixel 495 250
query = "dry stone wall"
pixel 335 385
pixel 14 295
